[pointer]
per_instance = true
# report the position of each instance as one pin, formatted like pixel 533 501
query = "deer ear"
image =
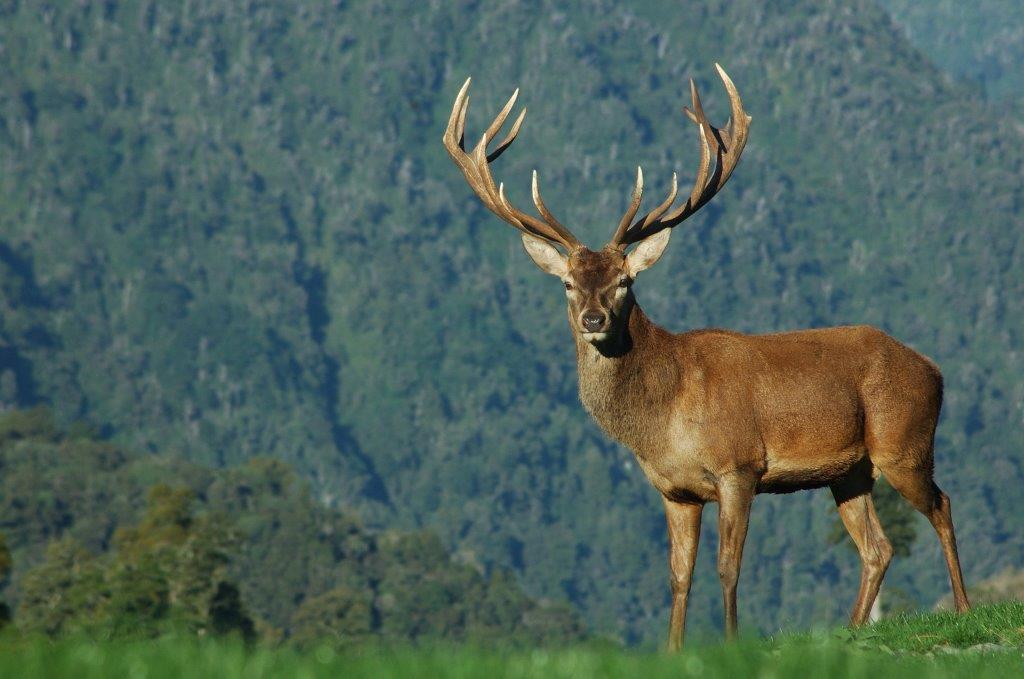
pixel 546 256
pixel 647 252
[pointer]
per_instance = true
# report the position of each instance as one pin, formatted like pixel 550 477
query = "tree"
pixel 34 423
pixel 134 559
pixel 342 615
pixel 64 594
pixel 169 572
pixel 184 559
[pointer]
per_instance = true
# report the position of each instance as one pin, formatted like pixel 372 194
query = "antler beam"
pixel 475 166
pixel 726 144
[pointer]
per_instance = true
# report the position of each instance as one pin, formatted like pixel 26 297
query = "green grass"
pixel 915 646
pixel 1001 624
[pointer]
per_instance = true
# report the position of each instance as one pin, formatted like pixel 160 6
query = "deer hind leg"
pixel 857 511
pixel 917 486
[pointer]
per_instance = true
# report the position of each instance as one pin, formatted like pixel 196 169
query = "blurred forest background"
pixel 259 341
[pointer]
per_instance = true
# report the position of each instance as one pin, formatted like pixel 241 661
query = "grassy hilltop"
pixel 988 642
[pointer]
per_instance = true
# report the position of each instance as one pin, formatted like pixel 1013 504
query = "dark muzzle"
pixel 593 321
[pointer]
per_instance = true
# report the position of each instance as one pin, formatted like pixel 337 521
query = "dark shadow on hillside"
pixel 313 281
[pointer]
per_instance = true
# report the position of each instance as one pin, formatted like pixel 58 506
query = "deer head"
pixel 598 282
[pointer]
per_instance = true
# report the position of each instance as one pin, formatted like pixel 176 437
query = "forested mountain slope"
pixel 229 229
pixel 109 544
pixel 981 42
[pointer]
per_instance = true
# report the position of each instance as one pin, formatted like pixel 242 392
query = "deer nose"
pixel 593 320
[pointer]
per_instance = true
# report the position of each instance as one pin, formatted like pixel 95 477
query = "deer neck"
pixel 629 381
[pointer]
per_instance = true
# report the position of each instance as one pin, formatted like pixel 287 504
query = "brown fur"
pixel 718 416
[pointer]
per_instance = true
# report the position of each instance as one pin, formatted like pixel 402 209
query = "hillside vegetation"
pixel 981 43
pixel 104 546
pixel 228 231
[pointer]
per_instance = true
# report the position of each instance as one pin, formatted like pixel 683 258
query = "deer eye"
pixel 568 285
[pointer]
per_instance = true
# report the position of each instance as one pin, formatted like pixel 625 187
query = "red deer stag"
pixel 713 415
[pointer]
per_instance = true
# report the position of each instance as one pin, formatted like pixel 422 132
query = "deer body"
pixel 699 405
pixel 719 416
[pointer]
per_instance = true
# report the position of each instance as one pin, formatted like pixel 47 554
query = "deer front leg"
pixel 735 495
pixel 683 535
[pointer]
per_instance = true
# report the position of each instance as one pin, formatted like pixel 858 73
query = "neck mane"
pixel 630 378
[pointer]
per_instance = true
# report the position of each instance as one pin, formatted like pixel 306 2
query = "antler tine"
pixel 563 235
pixel 706 135
pixel 509 138
pixel 461 125
pixel 502 207
pixel 700 184
pixel 457 120
pixel 526 227
pixel 539 203
pixel 725 144
pixel 697 115
pixel 499 120
pixel 483 181
pixel 738 125
pixel 634 205
pixel 475 167
pixel 660 210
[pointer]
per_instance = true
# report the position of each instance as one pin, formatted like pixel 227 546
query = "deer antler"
pixel 475 166
pixel 726 144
